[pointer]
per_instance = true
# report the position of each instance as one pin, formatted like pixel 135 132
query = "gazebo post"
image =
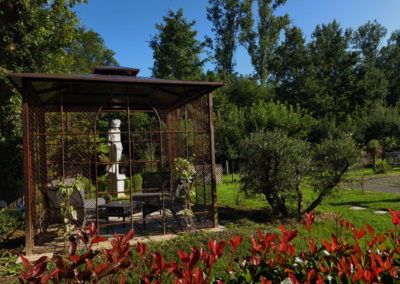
pixel 170 138
pixel 27 169
pixel 212 153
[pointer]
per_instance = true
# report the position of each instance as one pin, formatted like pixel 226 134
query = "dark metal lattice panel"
pixel 71 141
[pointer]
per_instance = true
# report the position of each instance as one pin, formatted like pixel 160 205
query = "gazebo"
pixel 68 124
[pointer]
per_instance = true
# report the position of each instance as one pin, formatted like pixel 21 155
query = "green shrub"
pixel 88 187
pixel 102 182
pixel 137 182
pixel 10 221
pixel 274 165
pixel 382 166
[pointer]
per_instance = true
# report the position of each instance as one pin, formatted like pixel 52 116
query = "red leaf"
pixel 92 229
pixel 265 281
pixel 370 230
pixel 122 279
pixel 97 239
pixel 128 236
pixel 288 234
pixel 72 245
pixel 293 278
pixel 51 275
pixel 396 217
pixel 74 258
pixel 141 249
pixel 216 248
pixel 194 258
pixel 183 256
pixel 25 261
pixel 358 235
pixel 159 263
pixel 101 267
pixel 310 217
pixel 39 268
pixel 235 242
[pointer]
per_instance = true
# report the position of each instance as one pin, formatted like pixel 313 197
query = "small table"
pixel 120 208
pixel 145 196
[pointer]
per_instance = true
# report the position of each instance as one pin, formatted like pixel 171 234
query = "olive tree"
pixel 331 160
pixel 276 165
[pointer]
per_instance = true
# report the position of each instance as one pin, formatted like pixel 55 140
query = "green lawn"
pixel 229 195
pixel 242 214
pixel 368 172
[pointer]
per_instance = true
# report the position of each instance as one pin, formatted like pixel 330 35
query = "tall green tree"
pixel 368 38
pixel 389 62
pixel 37 36
pixel 88 50
pixel 176 51
pixel 292 67
pixel 371 85
pixel 224 16
pixel 260 34
pixel 333 70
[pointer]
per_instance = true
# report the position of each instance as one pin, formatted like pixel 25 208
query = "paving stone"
pixel 380 212
pixel 357 208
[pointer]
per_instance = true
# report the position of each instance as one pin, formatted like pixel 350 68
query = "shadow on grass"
pixel 13 245
pixel 234 215
pixel 363 203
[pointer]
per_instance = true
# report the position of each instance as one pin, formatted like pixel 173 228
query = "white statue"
pixel 115 144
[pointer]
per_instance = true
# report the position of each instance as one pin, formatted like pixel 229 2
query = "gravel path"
pixel 380 184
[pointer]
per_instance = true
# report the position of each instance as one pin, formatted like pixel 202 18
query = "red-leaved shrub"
pixel 365 257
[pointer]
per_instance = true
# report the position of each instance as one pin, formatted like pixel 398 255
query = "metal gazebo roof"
pixel 114 82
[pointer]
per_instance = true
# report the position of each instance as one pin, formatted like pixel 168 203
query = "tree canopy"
pixel 176 51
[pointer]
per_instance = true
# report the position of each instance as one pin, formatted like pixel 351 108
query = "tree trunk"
pixel 321 196
pixel 299 199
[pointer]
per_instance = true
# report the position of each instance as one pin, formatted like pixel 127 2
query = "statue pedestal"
pixel 117 183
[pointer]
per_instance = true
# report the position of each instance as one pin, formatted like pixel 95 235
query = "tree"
pixel 224 15
pixel 367 39
pixel 371 84
pixel 331 160
pixel 244 91
pixel 176 51
pixel 88 50
pixel 379 123
pixel 290 120
pixel 37 36
pixel 229 131
pixel 274 165
pixel 333 70
pixel 261 39
pixel 292 68
pixel 389 62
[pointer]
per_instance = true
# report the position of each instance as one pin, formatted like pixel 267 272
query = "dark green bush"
pixel 10 221
pixel 382 166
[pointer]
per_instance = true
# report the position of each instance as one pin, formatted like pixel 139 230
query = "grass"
pixel 368 172
pixel 242 214
pixel 230 196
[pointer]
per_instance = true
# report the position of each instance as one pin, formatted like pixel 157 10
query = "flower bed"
pixel 351 256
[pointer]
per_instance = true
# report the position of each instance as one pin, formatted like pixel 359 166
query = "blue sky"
pixel 127 25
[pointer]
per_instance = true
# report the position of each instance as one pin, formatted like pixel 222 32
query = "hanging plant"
pixel 184 172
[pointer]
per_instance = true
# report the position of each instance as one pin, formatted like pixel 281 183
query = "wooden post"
pixel 27 169
pixel 212 154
